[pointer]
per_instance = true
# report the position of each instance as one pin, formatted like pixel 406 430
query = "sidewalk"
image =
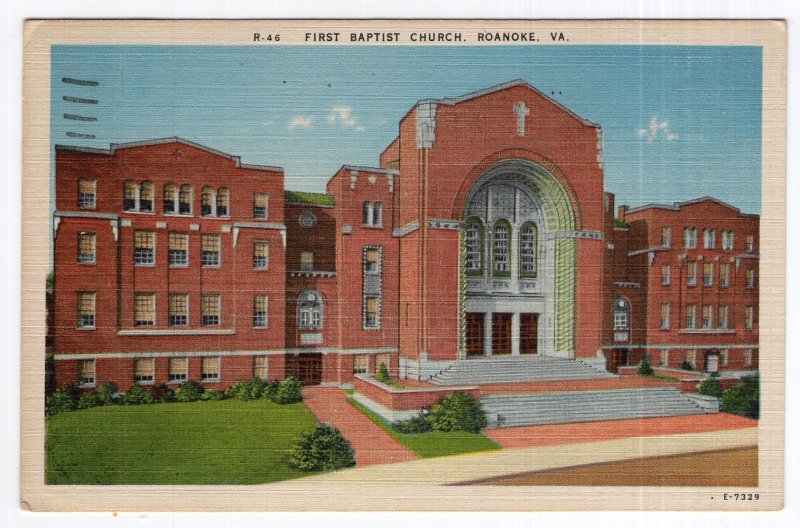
pixel 371 443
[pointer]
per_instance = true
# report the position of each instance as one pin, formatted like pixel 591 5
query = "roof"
pixel 308 198
pixel 678 205
pixel 113 147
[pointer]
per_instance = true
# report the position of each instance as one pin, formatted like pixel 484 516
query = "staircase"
pixel 515 369
pixel 586 406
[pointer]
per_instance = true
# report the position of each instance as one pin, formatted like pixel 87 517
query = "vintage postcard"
pixel 403 265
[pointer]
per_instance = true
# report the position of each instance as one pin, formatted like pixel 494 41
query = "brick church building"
pixel 485 231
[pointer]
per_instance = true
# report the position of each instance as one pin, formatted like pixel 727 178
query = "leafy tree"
pixel 644 366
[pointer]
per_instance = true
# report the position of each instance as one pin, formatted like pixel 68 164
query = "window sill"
pixel 260 327
pixel 133 211
pixel 179 215
pixel 93 263
pixel 371 226
pixel 85 328
pixel 212 217
pixel 145 265
pixel 86 385
pixel 177 382
pixel 179 266
pixel 706 331
pixel 175 331
pixel 210 380
pixel 217 266
pixel 145 383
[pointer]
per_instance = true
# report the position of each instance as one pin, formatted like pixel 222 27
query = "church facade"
pixel 485 231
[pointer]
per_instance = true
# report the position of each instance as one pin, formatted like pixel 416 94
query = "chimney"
pixel 621 212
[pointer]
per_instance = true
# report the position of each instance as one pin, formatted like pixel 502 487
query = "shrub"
pixel 415 425
pixel 383 374
pixel 325 449
pixel 60 401
pixel 212 395
pixel 271 389
pixel 163 393
pixel 685 365
pixel 189 391
pixel 249 390
pixel 710 387
pixel 644 367
pixel 458 412
pixel 88 400
pixel 289 391
pixel 743 398
pixel 137 396
pixel 107 393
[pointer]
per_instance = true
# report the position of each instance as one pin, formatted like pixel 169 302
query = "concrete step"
pixel 507 370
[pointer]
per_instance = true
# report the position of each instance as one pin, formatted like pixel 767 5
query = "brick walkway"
pixel 580 433
pixel 371 443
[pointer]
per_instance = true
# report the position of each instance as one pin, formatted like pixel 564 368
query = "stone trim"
pixel 436 223
pixel 406 229
pixel 591 235
pixel 261 225
pixel 680 346
pixel 303 273
pixel 85 214
pixel 176 332
pixel 196 353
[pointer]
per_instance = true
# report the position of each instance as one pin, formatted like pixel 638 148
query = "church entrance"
pixel 474 335
pixel 501 334
pixel 528 333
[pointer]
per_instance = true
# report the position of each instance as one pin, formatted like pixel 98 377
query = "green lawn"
pixel 208 442
pixel 435 443
pixel 660 377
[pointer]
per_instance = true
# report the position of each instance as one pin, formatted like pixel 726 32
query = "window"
pixel 207 202
pixel 709 238
pixel 86 248
pixel 372 260
pixel 143 370
pixel 691 357
pixel 223 202
pixel 751 278
pixel 170 198
pixel 750 243
pixel 86 372
pixel 129 197
pixel 473 242
pixel 144 248
pixel 209 369
pixel 178 250
pixel 260 367
pixel 528 248
pixel 310 310
pixel 260 205
pixel 178 309
pixel 146 197
pixel 666 275
pixel 178 368
pixel 722 316
pixel 690 237
pixel 622 314
pixel 501 248
pixel 724 357
pixel 749 317
pixel 708 273
pixel 708 316
pixel 86 194
pixel 307 260
pixel 86 309
pixel 372 312
pixel 727 240
pixel 665 309
pixel 690 315
pixel 210 310
pixel 210 251
pixel 307 219
pixel 666 236
pixel 724 274
pixel 377 214
pixel 664 357
pixel 260 311
pixel 366 213
pixel 691 273
pixel 260 255
pixel 185 197
pixel 360 364
pixel 748 357
pixel 144 309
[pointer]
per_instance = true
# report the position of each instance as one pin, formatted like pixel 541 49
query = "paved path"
pixel 579 433
pixel 371 443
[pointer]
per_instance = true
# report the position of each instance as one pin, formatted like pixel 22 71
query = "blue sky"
pixel 678 122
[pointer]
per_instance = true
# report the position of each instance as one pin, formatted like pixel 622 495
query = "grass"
pixel 210 442
pixel 660 377
pixel 435 443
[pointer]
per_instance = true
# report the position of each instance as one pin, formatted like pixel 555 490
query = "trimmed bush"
pixel 189 391
pixel 383 374
pixel 87 401
pixel 685 365
pixel 743 398
pixel 415 425
pixel 271 389
pixel 289 391
pixel 60 401
pixel 162 393
pixel 137 396
pixel 644 367
pixel 107 394
pixel 710 387
pixel 212 395
pixel 249 390
pixel 458 412
pixel 325 449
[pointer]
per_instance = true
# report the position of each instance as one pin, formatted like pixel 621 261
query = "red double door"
pixel 501 333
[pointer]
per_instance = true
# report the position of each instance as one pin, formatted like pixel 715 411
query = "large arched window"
pixel 129 199
pixel 310 310
pixel 185 200
pixel 473 243
pixel 501 249
pixel 528 250
pixel 170 198
pixel 622 314
pixel 146 197
pixel 207 202
pixel 223 202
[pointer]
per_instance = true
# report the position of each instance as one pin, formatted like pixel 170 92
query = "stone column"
pixel 515 334
pixel 487 334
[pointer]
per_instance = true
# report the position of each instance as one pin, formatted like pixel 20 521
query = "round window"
pixel 308 220
pixel 311 297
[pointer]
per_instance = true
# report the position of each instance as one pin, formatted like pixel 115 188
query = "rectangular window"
pixel 207 202
pixel 750 243
pixel 129 196
pixel 709 238
pixel 260 255
pixel 144 309
pixel 146 197
pixel 86 194
pixel 751 278
pixel 722 316
pixel 501 246
pixel 210 310
pixel 170 193
pixel 178 369
pixel 724 274
pixel 372 260
pixel 690 315
pixel 708 273
pixel 724 357
pixel 178 309
pixel 749 317
pixel 86 248
pixel 144 248
pixel 210 369
pixel 260 205
pixel 86 308
pixel 691 357
pixel 372 312
pixel 260 311
pixel 86 372
pixel 143 370
pixel 664 357
pixel 691 273
pixel 708 316
pixel 666 275
pixel 210 251
pixel 727 240
pixel 665 309
pixel 360 364
pixel 185 200
pixel 748 357
pixel 306 260
pixel 261 367
pixel 178 250
pixel 666 236
pixel 223 202
pixel 690 237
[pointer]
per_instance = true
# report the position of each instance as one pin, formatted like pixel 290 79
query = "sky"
pixel 679 122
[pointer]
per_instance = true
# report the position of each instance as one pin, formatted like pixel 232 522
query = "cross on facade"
pixel 522 112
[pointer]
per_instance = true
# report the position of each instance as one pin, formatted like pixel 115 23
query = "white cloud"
pixel 300 122
pixel 657 129
pixel 344 116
